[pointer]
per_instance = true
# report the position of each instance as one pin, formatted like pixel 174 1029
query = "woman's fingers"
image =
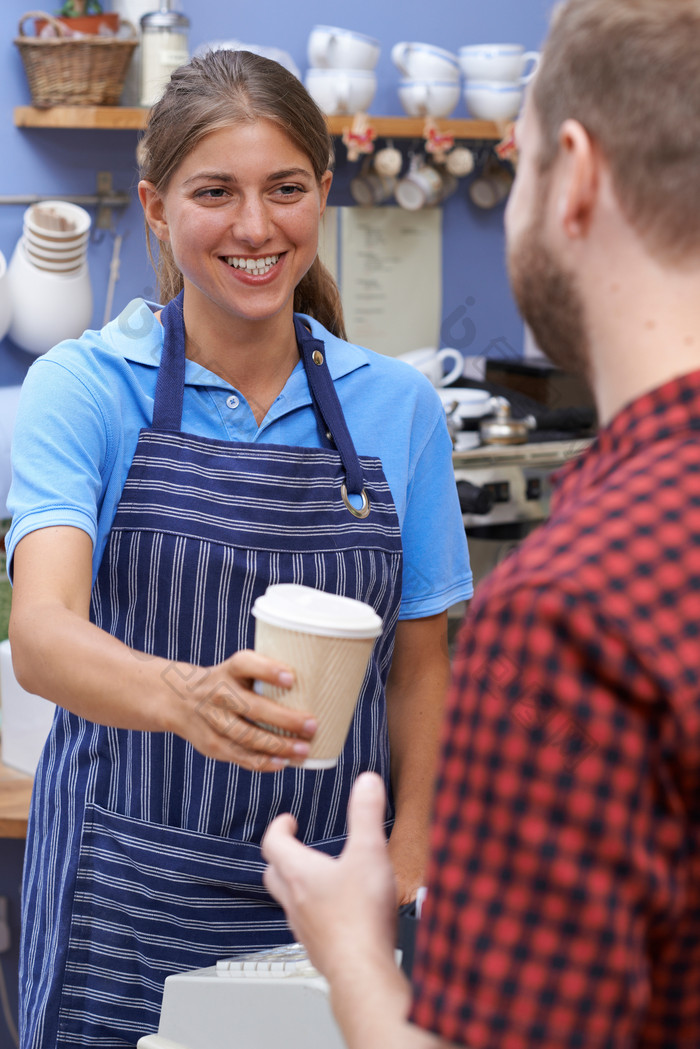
pixel 229 721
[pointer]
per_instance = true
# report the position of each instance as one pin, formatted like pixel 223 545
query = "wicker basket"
pixel 74 71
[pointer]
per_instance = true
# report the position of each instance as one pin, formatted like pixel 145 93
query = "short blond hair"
pixel 629 72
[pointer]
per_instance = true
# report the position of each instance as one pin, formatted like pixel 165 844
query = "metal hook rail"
pixel 105 199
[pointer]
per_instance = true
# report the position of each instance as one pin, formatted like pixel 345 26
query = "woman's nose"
pixel 251 221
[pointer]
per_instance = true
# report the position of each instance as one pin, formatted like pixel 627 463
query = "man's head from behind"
pixel 629 72
pixel 623 76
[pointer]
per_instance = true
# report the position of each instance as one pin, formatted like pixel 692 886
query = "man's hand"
pixel 340 909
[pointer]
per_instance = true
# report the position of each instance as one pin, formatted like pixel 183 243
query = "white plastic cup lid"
pixel 311 611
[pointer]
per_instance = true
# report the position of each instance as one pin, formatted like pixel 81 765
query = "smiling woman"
pixel 166 470
pixel 234 89
pixel 240 218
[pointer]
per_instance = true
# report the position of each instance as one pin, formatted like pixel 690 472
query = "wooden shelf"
pixel 128 118
pixel 118 118
pixel 15 792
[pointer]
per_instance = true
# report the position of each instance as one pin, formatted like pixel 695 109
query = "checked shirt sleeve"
pixel 559 860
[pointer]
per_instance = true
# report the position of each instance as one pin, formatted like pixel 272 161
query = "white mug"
pixel 425 62
pixel 332 48
pixel 340 91
pixel 429 98
pixel 388 161
pixel 504 62
pixel 369 189
pixel 493 99
pixel 490 188
pixel 431 363
pixel 420 188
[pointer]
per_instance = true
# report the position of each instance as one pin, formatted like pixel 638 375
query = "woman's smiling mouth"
pixel 255 267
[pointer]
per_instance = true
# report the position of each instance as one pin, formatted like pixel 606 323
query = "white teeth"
pixel 258 267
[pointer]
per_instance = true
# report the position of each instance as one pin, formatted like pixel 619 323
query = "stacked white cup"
pixel 430 79
pixel 48 276
pixel 341 77
pixel 495 77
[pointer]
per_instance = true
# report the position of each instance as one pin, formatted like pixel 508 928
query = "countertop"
pixel 15 792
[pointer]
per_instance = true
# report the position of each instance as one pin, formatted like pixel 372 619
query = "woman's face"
pixel 241 214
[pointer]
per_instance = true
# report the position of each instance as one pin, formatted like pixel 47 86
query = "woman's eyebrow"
pixel 220 176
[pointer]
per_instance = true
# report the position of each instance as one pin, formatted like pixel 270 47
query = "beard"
pixel 549 301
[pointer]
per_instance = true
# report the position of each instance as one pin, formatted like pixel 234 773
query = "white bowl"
pixel 47 306
pixel 341 91
pixel 57 267
pixel 425 62
pixel 329 47
pixel 37 240
pixel 48 216
pixel 493 100
pixel 471 403
pixel 69 255
pixel 429 98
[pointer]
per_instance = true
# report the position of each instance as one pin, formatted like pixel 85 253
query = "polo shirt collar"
pixel 137 336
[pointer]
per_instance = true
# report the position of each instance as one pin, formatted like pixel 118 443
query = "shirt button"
pixel 232 401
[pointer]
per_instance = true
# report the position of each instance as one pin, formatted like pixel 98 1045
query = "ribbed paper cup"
pixel 327 639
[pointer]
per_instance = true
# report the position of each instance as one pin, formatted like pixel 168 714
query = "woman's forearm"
pixel 415 699
pixel 59 654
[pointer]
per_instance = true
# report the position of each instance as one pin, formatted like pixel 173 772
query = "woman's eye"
pixel 290 191
pixel 214 193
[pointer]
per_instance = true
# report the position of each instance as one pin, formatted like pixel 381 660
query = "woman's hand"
pixel 59 654
pixel 222 716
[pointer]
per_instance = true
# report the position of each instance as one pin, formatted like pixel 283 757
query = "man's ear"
pixel 152 204
pixel 578 181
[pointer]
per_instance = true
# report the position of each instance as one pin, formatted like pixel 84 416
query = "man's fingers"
pixel 367 809
pixel 278 837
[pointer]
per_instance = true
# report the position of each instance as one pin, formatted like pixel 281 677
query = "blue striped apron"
pixel 143 856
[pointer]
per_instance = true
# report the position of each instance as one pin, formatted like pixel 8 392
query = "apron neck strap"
pixel 167 408
pixel 326 404
pixel 170 385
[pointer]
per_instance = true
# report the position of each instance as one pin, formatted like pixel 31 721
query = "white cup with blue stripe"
pixel 429 98
pixel 330 47
pixel 417 61
pixel 493 99
pixel 509 63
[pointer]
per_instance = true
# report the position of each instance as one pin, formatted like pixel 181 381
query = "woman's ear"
pixel 153 209
pixel 325 186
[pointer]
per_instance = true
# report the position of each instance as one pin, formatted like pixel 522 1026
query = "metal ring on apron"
pixel 364 509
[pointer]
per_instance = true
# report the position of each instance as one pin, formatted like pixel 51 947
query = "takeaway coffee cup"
pixel 327 639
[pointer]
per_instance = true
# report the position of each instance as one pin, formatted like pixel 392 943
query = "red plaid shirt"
pixel 563 906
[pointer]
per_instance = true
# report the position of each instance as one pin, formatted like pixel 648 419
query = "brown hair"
pixel 215 91
pixel 629 72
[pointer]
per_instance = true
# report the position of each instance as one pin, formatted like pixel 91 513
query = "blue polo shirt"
pixel 84 402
